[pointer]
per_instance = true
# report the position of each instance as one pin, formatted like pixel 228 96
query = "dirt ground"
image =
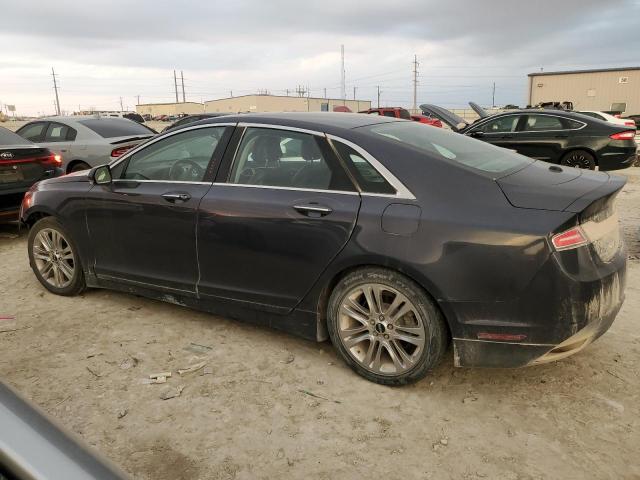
pixel 83 360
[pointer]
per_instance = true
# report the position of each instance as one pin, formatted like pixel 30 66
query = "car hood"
pixel 445 116
pixel 482 113
pixel 543 186
pixel 81 176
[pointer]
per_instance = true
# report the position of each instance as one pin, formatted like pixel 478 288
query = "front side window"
pixel 33 131
pixel 389 113
pixel 369 179
pixel 282 158
pixel 181 157
pixel 57 132
pixel 452 147
pixel 500 125
pixel 541 123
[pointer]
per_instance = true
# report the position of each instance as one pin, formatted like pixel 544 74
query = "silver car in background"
pixel 85 141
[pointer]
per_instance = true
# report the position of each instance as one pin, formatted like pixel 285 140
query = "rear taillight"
pixel 52 159
pixel 116 152
pixel 572 238
pixel 628 135
pixel 630 123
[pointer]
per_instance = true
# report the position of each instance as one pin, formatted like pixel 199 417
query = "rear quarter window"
pixel 451 147
pixel 115 127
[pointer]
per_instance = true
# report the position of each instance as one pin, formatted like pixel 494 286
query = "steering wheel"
pixel 186 170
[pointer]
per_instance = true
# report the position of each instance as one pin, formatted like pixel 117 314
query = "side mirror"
pixel 100 175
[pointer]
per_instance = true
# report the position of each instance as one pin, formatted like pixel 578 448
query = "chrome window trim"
pixel 132 180
pixel 402 192
pixel 296 189
pixel 280 127
pixel 162 136
pixel 492 117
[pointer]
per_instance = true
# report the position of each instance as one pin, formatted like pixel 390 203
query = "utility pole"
pixel 343 92
pixel 354 93
pixel 121 107
pixel 415 82
pixel 55 87
pixel 325 92
pixel 493 97
pixel 231 93
pixel 182 80
pixel 138 96
pixel 175 84
pixel 378 87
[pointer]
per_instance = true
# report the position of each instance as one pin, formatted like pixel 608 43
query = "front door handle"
pixel 313 209
pixel 176 197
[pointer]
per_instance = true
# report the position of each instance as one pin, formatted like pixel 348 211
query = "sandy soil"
pixel 84 359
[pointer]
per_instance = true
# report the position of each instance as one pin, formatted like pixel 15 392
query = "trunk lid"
pixel 478 109
pixel 22 165
pixel 544 186
pixel 455 122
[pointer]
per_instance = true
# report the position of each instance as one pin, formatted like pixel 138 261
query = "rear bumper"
pixel 616 158
pixel 570 303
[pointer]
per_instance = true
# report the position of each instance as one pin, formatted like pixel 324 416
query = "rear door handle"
pixel 313 209
pixel 176 197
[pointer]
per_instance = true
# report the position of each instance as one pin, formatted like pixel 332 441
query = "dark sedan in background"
pixel 554 136
pixel 390 237
pixel 22 163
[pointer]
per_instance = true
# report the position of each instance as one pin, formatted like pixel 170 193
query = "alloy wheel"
pixel 54 258
pixel 381 329
pixel 578 160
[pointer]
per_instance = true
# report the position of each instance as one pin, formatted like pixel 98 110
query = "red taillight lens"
pixel 628 135
pixel 116 152
pixel 572 238
pixel 630 123
pixel 52 159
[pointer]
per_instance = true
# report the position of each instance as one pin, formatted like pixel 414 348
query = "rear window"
pixel 116 127
pixel 451 146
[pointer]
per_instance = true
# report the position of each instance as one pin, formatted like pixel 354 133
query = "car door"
pixel 59 138
pixel 143 225
pixel 501 131
pixel 543 137
pixel 281 209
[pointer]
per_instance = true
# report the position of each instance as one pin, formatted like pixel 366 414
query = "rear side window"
pixel 450 146
pixel 33 131
pixel 541 123
pixel 116 127
pixel 500 125
pixel 369 179
pixel 405 114
pixel 57 132
pixel 282 158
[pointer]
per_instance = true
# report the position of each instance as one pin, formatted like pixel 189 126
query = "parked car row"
pixel 389 237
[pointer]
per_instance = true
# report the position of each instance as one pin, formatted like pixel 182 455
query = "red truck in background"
pixel 399 112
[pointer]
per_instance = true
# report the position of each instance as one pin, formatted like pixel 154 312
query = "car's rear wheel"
pixel 54 258
pixel 79 166
pixel 385 326
pixel 579 159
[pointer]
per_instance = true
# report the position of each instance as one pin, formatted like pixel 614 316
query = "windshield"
pixel 116 127
pixel 451 146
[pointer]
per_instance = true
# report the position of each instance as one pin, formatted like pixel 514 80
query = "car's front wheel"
pixel 385 326
pixel 54 258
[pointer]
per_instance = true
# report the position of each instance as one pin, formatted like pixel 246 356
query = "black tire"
pixel 436 334
pixel 79 166
pixel 77 283
pixel 579 159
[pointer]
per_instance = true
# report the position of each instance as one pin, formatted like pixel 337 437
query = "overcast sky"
pixel 122 48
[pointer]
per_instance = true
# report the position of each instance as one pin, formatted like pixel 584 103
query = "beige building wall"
pixel 155 109
pixel 588 90
pixel 273 103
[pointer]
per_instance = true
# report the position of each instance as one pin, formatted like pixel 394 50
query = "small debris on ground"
pixel 94 373
pixel 161 374
pixel 134 308
pixel 122 413
pixel 197 348
pixel 288 359
pixel 207 371
pixel 469 399
pixel 311 394
pixel 128 363
pixel 191 368
pixel 170 393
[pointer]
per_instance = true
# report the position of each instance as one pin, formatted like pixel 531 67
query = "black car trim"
pixel 297 189
pixel 135 180
pixel 505 342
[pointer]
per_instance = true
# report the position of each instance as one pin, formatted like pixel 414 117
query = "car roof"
pixel 78 118
pixel 320 121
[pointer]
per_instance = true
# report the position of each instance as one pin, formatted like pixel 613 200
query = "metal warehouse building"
pixel 607 89
pixel 277 103
pixel 155 109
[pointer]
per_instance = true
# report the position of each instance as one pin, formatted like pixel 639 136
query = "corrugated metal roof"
pixel 594 70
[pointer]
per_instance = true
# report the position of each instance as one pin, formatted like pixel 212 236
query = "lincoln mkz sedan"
pixel 391 238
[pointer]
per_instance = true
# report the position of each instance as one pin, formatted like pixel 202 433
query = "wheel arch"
pixel 423 283
pixel 74 162
pixel 585 149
